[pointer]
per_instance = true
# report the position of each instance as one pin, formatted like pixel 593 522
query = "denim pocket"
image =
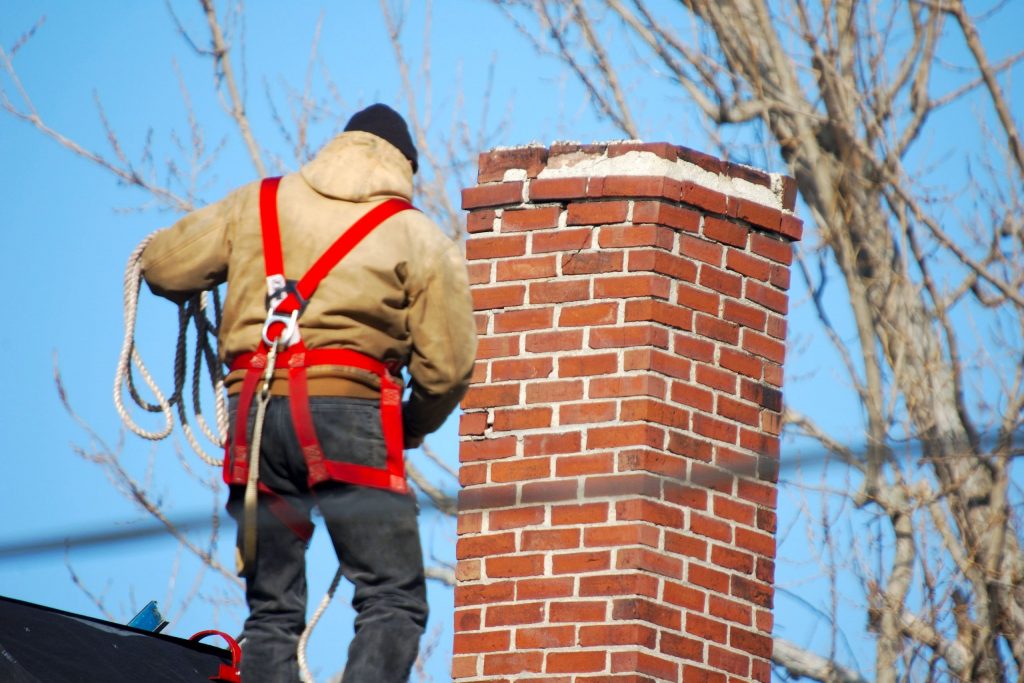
pixel 349 430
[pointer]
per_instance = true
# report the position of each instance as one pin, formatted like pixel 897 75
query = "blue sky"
pixel 68 229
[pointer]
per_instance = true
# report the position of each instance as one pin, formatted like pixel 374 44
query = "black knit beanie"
pixel 387 124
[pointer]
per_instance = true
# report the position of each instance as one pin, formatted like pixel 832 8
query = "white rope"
pixel 196 311
pixel 307 675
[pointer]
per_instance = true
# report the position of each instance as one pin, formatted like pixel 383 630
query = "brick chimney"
pixel 619 445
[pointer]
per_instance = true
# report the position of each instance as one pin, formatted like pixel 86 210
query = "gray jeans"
pixel 375 535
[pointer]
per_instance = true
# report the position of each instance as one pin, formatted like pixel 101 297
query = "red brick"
pixel 753 591
pixel 468 619
pixel 521 469
pixel 745 315
pixel 682 647
pixel 706 577
pixel 485 545
pixel 628 435
pixel 735 410
pixel 543 637
pixel 646 664
pixel 562 240
pixel 527 418
pixel 491 396
pixel 480 221
pixel 548 342
pixel 756 542
pixel 627 385
pixel 780 277
pixel 525 319
pixel 515 518
pixel 483 497
pixel 703 197
pixel 589 412
pixel 693 396
pixel 654 461
pixel 778 250
pixel 487 449
pixel 581 563
pixel 554 392
pixel 620 583
pixel 509 566
pixel 730 610
pixel 472 424
pixel 710 527
pixel 666 214
pixel 641 510
pixel 662 150
pixel 714 429
pixel 550 539
pixel 720 280
pixel 471 474
pixel 469 523
pixel 693 347
pixel 649 410
pixel 618 634
pixel 546 189
pixel 791 226
pixel 587 513
pixel 464 667
pixel 551 444
pixel 549 491
pixel 713 377
pixel 488 641
pixel 725 660
pixel 575 662
pixel 625 286
pixel 686 545
pixel 756 644
pixel 497 347
pixel 538 218
pixel 745 364
pixel 623 484
pixel 744 263
pixel 479 272
pixel 661 262
pixel 767 297
pixel 580 465
pixel 620 336
pixel 502 246
pixel 657 361
pixel 513 663
pixel 698 299
pixel 501 194
pixel 706 629
pixel 660 312
pixel 577 611
pixel 655 562
pixel 758 214
pixel 591 262
pixel 621 534
pixel 493 164
pixel 624 236
pixel 725 232
pixel 588 365
pixel 533 268
pixel 638 609
pixel 698 674
pixel 605 313
pixel 539 589
pixel 764 346
pixel 521 368
pixel 716 328
pixel 597 213
pixel 776 327
pixel 685 596
pixel 701 249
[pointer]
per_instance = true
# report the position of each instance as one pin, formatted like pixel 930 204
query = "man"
pixel 398 298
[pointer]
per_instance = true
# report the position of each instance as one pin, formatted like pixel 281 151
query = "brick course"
pixel 620 443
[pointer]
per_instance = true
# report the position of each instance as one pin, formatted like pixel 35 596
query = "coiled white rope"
pixel 195 311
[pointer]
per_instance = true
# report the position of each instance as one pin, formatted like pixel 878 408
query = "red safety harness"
pixel 286 302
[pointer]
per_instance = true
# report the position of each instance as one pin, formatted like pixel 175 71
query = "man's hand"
pixel 411 442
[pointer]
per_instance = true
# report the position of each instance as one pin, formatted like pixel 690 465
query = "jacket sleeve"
pixel 190 256
pixel 443 335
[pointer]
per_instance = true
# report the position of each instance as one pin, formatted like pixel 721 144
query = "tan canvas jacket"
pixel 401 294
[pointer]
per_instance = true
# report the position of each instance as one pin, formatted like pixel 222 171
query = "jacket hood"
pixel 357 167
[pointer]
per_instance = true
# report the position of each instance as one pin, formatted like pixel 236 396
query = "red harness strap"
pixel 291 299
